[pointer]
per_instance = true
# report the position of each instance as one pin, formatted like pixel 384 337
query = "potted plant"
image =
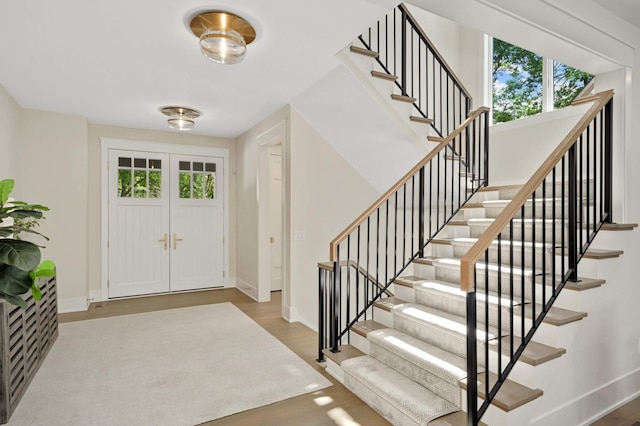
pixel 20 265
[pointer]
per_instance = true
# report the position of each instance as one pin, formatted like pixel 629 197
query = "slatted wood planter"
pixel 26 335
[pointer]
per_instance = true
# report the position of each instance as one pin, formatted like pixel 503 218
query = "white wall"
pixel 10 114
pixel 519 147
pixel 327 194
pixel 93 198
pixel 54 173
pixel 324 195
pixel 247 204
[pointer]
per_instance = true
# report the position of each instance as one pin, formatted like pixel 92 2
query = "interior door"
pixel 138 243
pixel 275 215
pixel 197 219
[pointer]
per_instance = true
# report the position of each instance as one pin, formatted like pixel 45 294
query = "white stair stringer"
pixel 381 90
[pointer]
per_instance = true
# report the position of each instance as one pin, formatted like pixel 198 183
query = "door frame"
pixel 273 136
pixel 136 145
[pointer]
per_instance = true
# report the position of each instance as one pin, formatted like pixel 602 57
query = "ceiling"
pixel 629 10
pixel 117 62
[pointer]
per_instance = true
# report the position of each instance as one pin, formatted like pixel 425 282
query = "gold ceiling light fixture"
pixel 180 118
pixel 223 36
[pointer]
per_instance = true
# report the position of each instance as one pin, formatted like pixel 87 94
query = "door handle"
pixel 272 240
pixel 175 241
pixel 165 240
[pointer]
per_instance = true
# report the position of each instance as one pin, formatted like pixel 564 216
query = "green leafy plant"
pixel 20 265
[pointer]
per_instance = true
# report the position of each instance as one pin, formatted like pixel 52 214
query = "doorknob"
pixel 175 241
pixel 272 240
pixel 165 240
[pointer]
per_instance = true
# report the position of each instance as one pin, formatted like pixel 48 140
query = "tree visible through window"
pixel 518 82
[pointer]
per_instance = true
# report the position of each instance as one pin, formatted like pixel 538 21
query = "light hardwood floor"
pixel 344 408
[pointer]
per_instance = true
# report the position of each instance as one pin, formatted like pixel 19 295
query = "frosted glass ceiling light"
pixel 223 36
pixel 180 118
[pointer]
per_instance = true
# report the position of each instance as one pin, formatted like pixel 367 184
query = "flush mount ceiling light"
pixel 223 36
pixel 180 118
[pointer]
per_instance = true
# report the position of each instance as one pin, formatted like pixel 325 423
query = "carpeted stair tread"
pixel 441 363
pixel 397 398
pixel 435 369
pixel 441 329
pixel 493 268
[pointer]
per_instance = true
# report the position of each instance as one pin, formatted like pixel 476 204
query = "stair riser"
pixel 481 196
pixel 477 229
pixel 359 342
pixel 516 257
pixel 470 213
pixel 452 275
pixel 509 193
pixel 436 335
pixel 405 293
pixel 494 211
pixel 449 391
pixel 457 305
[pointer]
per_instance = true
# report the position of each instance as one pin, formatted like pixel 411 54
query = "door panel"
pixel 138 222
pixel 196 223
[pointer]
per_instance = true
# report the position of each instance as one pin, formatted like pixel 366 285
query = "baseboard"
pixel 294 317
pixel 72 304
pixel 595 404
pixel 248 289
pixel 95 296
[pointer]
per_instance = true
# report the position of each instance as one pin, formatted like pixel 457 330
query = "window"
pixel 197 180
pixel 520 87
pixel 139 177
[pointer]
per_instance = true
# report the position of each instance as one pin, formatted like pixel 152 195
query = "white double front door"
pixel 166 223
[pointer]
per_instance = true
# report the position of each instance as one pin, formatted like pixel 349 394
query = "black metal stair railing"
pixel 405 51
pixel 377 247
pixel 516 270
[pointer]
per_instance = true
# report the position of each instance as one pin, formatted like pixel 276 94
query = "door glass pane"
pixel 184 184
pixel 155 164
pixel 198 167
pixel 155 184
pixel 210 167
pixel 210 186
pixel 124 162
pixel 140 163
pixel 185 165
pixel 124 183
pixel 140 183
pixel 198 184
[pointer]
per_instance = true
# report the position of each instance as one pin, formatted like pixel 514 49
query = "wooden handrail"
pixel 467 263
pixel 384 197
pixel 419 29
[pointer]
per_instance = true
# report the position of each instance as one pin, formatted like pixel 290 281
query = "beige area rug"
pixel 174 367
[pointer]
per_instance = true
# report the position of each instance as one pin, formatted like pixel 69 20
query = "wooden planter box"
pixel 26 335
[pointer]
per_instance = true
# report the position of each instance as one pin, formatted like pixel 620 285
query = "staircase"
pixel 410 362
pixel 446 278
